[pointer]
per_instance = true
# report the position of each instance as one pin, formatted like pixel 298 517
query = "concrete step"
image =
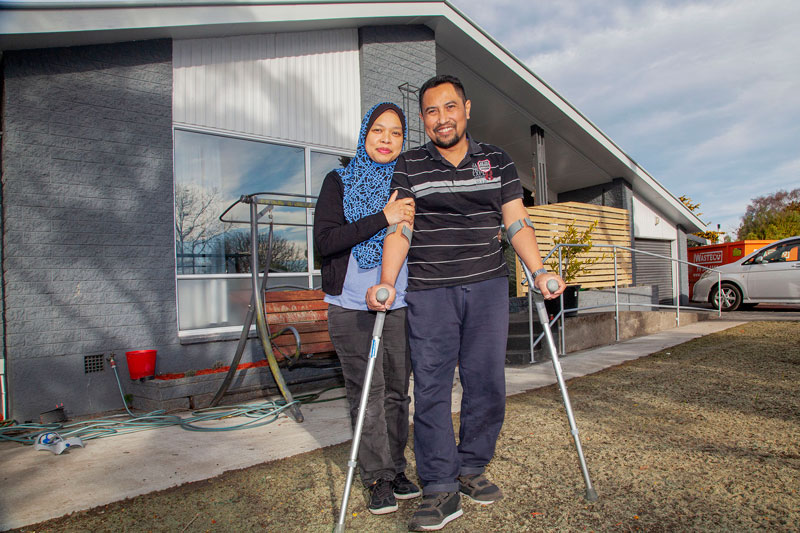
pixel 523 357
pixel 588 330
pixel 518 350
pixel 520 341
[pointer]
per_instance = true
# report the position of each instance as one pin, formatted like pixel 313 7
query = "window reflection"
pixel 321 164
pixel 288 251
pixel 211 172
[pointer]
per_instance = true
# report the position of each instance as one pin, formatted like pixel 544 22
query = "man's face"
pixel 445 115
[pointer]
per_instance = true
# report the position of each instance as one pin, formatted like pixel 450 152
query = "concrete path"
pixel 37 486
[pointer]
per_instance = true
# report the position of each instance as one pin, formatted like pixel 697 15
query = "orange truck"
pixel 714 255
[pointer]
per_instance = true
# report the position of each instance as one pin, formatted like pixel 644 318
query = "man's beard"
pixel 448 143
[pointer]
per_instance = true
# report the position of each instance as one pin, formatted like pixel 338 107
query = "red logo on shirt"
pixel 485 167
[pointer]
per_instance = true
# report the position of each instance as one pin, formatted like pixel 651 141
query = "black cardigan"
pixel 334 237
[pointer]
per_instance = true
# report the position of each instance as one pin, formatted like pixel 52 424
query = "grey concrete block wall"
pixel 599 329
pixel 617 193
pixel 87 203
pixel 393 55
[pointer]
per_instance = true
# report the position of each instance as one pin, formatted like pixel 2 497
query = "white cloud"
pixel 790 170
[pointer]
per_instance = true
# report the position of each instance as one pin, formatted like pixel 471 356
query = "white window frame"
pixel 225 331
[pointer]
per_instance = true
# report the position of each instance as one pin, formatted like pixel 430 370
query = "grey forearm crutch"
pixel 538 299
pixel 382 295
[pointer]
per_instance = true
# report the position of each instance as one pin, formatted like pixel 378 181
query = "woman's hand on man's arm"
pixel 397 211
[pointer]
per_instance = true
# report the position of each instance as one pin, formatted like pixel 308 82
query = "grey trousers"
pixel 381 453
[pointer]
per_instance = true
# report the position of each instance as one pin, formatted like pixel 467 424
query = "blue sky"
pixel 705 95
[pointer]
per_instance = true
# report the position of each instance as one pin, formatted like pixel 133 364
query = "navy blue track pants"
pixel 464 325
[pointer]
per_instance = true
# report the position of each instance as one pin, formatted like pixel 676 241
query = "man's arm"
pixel 395 250
pixel 524 243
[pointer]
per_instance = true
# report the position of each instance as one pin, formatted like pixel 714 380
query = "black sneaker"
pixel 381 498
pixel 479 489
pixel 436 511
pixel 403 488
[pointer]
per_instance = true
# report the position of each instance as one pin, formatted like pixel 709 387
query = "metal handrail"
pixel 561 314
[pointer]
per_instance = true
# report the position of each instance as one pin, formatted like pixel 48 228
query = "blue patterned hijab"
pixel 366 187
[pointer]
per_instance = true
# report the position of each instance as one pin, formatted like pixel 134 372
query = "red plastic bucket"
pixel 141 363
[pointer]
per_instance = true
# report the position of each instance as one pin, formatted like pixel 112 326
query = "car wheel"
pixel 731 297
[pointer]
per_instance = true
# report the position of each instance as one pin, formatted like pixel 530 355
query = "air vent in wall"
pixel 92 363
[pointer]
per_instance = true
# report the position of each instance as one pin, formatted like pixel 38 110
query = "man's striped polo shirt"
pixel 458 213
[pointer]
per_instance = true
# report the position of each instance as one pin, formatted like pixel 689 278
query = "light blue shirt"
pixel 358 280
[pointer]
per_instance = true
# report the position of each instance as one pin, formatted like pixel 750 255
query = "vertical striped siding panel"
pixel 317 66
pixel 282 101
pixel 237 88
pixel 301 87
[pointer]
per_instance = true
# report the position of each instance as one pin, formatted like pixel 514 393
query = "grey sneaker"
pixel 403 488
pixel 436 511
pixel 479 489
pixel 381 498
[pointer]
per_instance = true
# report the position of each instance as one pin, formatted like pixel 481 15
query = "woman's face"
pixel 385 138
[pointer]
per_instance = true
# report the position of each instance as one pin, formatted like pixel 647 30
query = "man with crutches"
pixel 457 296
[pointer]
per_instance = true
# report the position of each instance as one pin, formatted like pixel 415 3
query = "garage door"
pixel 655 270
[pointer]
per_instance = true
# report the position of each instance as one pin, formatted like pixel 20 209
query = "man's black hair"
pixel 440 80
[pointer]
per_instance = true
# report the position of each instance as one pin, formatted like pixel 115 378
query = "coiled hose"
pixel 258 414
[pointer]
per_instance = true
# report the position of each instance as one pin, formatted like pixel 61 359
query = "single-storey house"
pixel 129 125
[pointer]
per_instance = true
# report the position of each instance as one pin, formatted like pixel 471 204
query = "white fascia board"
pixel 168 16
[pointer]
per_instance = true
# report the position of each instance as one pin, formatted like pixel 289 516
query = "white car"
pixel 768 275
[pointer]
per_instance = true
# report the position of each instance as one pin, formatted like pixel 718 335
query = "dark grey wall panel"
pixel 391 56
pixel 87 203
pixel 616 193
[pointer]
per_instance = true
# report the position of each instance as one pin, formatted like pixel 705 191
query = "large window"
pixel 212 257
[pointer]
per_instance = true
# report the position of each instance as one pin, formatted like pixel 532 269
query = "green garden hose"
pixel 258 414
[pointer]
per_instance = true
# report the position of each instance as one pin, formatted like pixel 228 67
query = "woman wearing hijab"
pixel 351 217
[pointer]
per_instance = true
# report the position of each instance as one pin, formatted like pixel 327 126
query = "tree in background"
pixel 286 256
pixel 711 236
pixel 774 216
pixel 196 225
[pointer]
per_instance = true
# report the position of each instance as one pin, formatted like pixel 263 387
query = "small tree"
pixel 711 236
pixel 573 265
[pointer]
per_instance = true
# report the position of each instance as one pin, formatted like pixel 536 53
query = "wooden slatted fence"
pixel 613 227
